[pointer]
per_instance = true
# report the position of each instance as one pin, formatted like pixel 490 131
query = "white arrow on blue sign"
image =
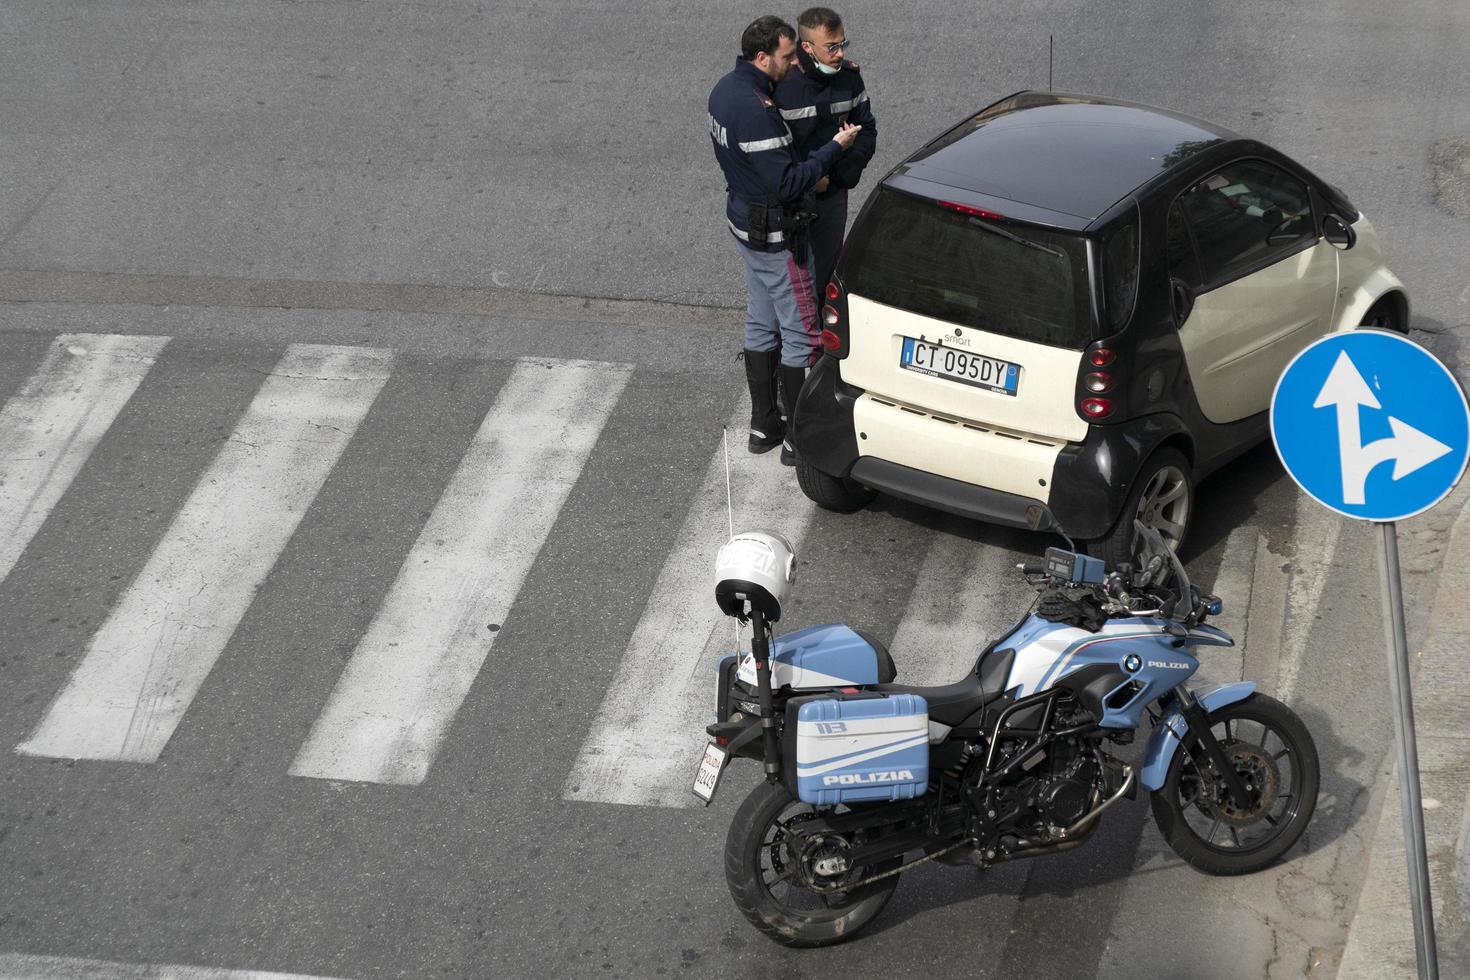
pixel 1353 402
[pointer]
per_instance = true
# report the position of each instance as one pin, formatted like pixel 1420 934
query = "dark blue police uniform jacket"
pixel 815 106
pixel 754 148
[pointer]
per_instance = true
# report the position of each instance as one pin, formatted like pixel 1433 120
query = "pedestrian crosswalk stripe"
pixel 412 670
pixel 21 966
pixel 50 427
pixel 966 594
pixel 150 656
pixel 644 744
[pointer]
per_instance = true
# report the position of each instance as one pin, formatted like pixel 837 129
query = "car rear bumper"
pixel 944 493
pixel 1084 484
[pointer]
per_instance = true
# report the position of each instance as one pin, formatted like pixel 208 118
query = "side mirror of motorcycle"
pixel 1154 543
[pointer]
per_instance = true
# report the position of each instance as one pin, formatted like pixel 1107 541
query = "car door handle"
pixel 1181 298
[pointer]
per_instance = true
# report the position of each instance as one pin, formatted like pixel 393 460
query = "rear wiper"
pixel 1024 242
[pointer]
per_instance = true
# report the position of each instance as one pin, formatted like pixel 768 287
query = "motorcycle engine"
pixel 1062 793
pixel 1063 801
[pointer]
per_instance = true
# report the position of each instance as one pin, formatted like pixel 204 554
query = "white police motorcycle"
pixel 866 778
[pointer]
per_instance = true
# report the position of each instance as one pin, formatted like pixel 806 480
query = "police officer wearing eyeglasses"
pixel 768 211
pixel 825 92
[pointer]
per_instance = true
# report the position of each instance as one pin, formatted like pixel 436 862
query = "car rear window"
pixel 918 256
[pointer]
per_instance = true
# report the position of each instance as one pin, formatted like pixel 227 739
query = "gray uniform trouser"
pixel 826 238
pixel 779 310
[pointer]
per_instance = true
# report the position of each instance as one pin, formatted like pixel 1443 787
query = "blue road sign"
pixel 1352 403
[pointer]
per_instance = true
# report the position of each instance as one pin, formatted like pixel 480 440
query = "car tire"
pixel 1384 315
pixel 830 492
pixel 1162 497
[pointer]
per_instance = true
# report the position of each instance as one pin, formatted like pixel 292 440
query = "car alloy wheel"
pixel 1164 504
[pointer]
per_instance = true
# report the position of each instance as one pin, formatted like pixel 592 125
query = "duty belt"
pixel 772 237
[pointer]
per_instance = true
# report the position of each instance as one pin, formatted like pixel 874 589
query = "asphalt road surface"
pixel 335 546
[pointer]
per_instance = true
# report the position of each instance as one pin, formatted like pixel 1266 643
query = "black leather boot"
pixel 765 422
pixel 792 379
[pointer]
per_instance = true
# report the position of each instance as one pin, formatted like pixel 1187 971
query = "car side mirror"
pixel 1291 230
pixel 1338 232
pixel 1181 298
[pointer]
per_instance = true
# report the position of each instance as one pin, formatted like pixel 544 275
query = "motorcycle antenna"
pixel 729 500
pixel 1051 47
pixel 730 517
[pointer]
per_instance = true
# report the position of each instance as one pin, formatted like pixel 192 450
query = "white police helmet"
pixel 755 567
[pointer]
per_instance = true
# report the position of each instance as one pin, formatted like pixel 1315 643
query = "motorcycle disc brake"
pixel 1262 780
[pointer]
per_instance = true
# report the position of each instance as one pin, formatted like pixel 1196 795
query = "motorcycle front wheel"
pixel 771 873
pixel 1274 755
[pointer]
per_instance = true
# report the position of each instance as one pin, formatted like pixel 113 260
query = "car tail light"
pixel 834 319
pixel 1093 384
pixel 971 211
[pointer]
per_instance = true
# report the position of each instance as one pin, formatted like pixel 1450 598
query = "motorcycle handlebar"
pixel 1031 568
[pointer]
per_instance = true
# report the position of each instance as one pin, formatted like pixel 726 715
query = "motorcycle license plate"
pixel 990 373
pixel 711 767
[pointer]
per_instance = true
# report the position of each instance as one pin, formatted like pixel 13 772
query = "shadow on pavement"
pixel 1230 498
pixel 1341 800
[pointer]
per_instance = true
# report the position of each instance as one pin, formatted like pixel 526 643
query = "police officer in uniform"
pixel 768 209
pixel 823 93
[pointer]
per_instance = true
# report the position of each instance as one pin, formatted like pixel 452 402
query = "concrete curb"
pixel 92 288
pixel 1464 858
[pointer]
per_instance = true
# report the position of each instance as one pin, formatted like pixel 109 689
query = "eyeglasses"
pixel 835 46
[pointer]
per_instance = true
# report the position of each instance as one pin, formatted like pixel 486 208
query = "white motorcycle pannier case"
pixel 858 749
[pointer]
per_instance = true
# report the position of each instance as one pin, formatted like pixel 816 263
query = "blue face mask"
pixel 825 69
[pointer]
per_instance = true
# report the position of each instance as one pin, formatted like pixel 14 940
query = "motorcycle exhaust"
pixel 1131 776
pixel 984 859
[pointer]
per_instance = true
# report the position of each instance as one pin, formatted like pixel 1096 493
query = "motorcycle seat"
pixel 951 704
pixel 887 669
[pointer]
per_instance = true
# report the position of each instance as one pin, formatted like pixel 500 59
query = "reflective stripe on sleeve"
pixel 774 143
pixel 810 111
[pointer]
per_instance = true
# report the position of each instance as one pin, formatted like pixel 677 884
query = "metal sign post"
pixel 1336 458
pixel 1410 802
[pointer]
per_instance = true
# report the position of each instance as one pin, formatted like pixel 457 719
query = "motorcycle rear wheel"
pixel 765 881
pixel 1274 754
